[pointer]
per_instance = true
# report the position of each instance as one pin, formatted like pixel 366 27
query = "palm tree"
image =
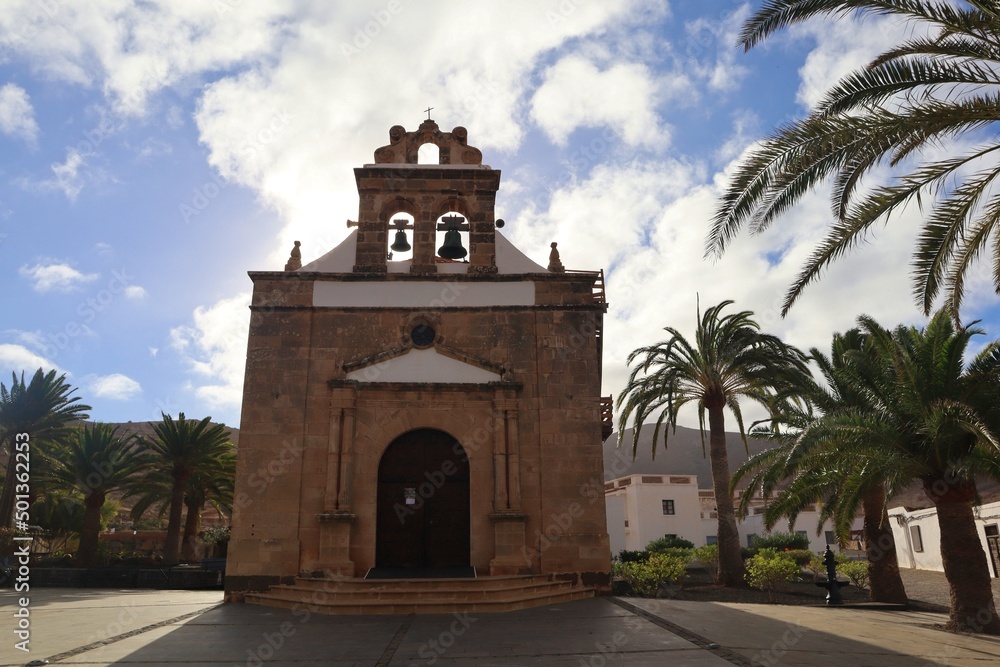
pixel 185 447
pixel 93 464
pixel 936 89
pixel 44 409
pixel 811 462
pixel 949 416
pixel 934 420
pixel 730 359
pixel 209 486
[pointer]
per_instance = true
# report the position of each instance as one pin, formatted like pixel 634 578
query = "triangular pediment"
pixel 422 365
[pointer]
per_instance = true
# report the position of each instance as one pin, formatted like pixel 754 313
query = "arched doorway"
pixel 423 502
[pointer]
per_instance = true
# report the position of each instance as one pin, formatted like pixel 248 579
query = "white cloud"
pixel 17 117
pixel 215 346
pixel 69 176
pixel 116 387
pixel 66 176
pixel 268 128
pixel 133 50
pixel 135 292
pixel 575 93
pixel 710 54
pixel 843 46
pixel 645 223
pixel 152 148
pixel 59 277
pixel 17 358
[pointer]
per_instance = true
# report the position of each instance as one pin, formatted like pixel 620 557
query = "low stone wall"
pixel 175 578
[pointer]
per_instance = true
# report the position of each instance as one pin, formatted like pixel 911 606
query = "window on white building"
pixel 750 538
pixel 918 542
pixel 668 507
pixel 712 539
pixel 831 538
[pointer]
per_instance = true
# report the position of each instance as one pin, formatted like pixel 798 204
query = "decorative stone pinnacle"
pixel 294 259
pixel 555 266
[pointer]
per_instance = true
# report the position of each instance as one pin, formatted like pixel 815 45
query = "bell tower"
pixel 460 185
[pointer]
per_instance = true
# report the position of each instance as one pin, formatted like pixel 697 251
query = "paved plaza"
pixel 108 627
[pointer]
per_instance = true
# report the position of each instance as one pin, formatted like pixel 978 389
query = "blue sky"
pixel 153 153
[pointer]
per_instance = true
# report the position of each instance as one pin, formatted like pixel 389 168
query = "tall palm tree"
pixel 940 87
pixel 93 464
pixel 44 408
pixel 810 464
pixel 185 446
pixel 729 360
pixel 935 420
pixel 212 484
pixel 949 411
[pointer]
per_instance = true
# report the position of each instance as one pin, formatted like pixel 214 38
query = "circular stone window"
pixel 423 335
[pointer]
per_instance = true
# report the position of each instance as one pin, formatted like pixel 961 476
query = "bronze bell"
pixel 400 244
pixel 452 248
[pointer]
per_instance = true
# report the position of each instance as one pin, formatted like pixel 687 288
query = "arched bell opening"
pixel 400 238
pixel 422 515
pixel 452 237
pixel 428 154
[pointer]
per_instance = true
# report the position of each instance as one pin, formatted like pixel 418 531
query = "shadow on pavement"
pixel 592 632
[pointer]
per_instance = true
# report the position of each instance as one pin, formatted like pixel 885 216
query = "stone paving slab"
pixel 63 619
pixel 630 632
pixel 819 636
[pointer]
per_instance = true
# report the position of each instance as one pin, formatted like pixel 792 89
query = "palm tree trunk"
pixel 965 567
pixel 732 572
pixel 90 532
pixel 880 546
pixel 172 548
pixel 192 523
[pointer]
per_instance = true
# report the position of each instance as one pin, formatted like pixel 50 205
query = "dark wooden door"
pixel 423 502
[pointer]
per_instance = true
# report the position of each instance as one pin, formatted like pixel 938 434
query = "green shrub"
pixel 781 541
pixel 668 542
pixel 645 578
pixel 626 556
pixel 708 556
pixel 218 539
pixel 676 552
pixel 816 565
pixel 748 552
pixel 856 571
pixel 800 556
pixel 768 569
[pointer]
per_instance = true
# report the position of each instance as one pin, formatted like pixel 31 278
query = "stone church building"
pixel 439 412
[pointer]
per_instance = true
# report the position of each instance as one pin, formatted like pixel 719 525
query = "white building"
pixel 642 508
pixel 918 539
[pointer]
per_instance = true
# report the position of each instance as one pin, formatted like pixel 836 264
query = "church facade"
pixel 415 408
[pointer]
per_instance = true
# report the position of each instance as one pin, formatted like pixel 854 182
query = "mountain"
pixel 683 454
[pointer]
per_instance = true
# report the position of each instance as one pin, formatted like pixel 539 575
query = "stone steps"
pixel 419 596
